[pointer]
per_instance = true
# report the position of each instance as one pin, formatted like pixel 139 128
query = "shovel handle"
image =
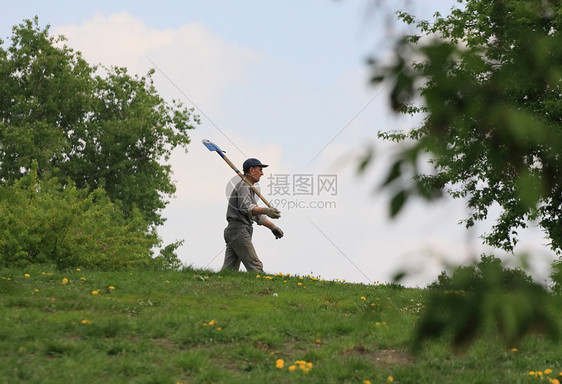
pixel 246 181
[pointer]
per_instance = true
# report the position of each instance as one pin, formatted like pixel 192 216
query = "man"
pixel 241 213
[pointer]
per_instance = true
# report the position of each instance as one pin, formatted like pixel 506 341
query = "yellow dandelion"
pixel 318 341
pixel 554 381
pixel 257 276
pixel 111 287
pixel 366 382
pixel 64 281
pixel 78 269
pixel 35 290
pixel 26 275
pixel 279 363
pixel 547 371
pixel 212 323
pixel 167 281
pixel 299 283
pixel 378 324
pixel 83 278
pixel 513 349
pixel 43 273
pixel 363 298
pixel 95 292
pixel 531 373
pixel 85 322
pixel 390 379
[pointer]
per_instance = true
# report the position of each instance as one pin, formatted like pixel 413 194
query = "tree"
pixel 111 131
pixel 488 81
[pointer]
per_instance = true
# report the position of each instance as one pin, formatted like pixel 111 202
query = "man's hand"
pixel 274 213
pixel 277 232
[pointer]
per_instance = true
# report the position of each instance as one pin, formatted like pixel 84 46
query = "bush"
pixel 42 222
pixel 556 276
pixel 461 306
pixel 168 259
pixel 472 277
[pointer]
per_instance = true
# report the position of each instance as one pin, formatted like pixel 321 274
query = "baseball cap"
pixel 251 162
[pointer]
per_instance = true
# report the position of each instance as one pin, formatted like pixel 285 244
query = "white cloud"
pixel 201 64
pixel 118 39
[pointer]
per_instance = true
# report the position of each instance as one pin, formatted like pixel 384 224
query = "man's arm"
pixel 267 223
pixel 277 232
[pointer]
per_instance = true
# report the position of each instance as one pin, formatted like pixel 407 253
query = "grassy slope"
pixel 203 327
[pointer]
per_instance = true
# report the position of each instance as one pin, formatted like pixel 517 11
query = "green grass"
pixel 204 327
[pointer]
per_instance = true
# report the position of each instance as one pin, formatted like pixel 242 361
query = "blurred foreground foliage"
pixel 487 82
pixel 461 305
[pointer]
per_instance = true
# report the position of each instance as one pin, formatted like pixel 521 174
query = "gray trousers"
pixel 239 248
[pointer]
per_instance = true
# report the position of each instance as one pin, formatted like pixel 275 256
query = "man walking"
pixel 241 213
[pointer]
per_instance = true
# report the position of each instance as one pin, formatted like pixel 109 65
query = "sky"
pixel 286 82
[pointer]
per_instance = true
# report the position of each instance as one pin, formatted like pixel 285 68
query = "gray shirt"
pixel 240 204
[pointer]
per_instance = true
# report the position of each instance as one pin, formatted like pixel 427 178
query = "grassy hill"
pixel 81 326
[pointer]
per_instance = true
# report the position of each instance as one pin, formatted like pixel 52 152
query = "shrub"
pixel 462 305
pixel 42 222
pixel 556 276
pixel 471 277
pixel 168 258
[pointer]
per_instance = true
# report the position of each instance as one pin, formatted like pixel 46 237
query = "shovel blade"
pixel 212 146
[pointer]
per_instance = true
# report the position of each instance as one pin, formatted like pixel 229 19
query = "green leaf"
pixel 394 173
pixel 397 202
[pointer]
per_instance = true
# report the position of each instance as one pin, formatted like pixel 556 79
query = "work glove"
pixel 277 232
pixel 274 213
